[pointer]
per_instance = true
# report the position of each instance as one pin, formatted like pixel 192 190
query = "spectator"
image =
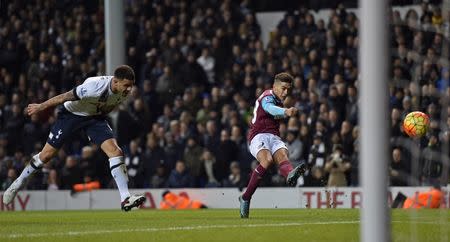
pixel 159 179
pixel 12 175
pixel 33 133
pixel 210 139
pixel 193 72
pixel 166 85
pixel 14 126
pixel 173 151
pixel 53 182
pixel 336 166
pixel 398 170
pixel 235 179
pixel 317 152
pixel 306 138
pixel 354 161
pixel 180 177
pixel 295 147
pixel 315 178
pixel 71 173
pixel 347 138
pixel 431 162
pixel 192 157
pixel 202 115
pixel 228 151
pixel 211 168
pixel 123 122
pixel 153 154
pixel 207 62
pixel 150 100
pixel 141 115
pixel 134 162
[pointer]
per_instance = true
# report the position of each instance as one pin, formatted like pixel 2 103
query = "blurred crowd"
pixel 200 66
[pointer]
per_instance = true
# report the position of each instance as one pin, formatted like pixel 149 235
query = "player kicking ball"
pixel 264 139
pixel 84 109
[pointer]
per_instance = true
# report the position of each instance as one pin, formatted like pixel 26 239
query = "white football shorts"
pixel 265 141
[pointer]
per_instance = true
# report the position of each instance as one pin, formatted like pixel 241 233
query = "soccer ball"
pixel 416 124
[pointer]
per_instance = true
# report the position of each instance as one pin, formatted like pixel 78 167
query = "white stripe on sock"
pixel 29 170
pixel 37 161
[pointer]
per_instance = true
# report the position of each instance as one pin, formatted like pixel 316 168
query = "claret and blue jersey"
pixel 273 106
pixel 266 114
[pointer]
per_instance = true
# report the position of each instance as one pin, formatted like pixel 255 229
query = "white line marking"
pixel 199 227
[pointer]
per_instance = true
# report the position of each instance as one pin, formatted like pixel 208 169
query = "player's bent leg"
pixel 285 167
pixel 111 148
pixel 47 153
pixel 35 164
pixel 265 160
pixel 280 155
pixel 120 175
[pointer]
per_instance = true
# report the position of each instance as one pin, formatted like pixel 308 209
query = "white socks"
pixel 35 164
pixel 119 173
pixel 116 164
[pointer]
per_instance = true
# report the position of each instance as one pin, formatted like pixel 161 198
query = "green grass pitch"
pixel 279 225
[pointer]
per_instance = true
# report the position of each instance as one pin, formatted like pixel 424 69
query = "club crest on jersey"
pixel 83 91
pixel 51 135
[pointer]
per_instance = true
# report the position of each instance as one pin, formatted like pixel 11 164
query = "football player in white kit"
pixel 84 108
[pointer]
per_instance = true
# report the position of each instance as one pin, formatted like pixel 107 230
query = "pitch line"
pixel 183 228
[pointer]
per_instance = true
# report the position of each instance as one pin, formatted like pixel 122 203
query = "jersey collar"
pixel 275 96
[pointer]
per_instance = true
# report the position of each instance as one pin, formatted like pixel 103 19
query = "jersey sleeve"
pixel 268 104
pixel 88 89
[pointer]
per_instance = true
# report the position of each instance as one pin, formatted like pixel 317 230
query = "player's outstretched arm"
pixel 34 108
pixel 268 104
pixel 290 112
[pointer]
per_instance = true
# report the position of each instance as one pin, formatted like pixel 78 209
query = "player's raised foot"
pixel 132 202
pixel 295 174
pixel 11 192
pixel 244 207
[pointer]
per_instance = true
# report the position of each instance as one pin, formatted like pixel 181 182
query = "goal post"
pixel 374 118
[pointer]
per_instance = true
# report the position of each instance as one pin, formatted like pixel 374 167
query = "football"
pixel 416 124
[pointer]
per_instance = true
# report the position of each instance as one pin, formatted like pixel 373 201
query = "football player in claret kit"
pixel 84 109
pixel 264 139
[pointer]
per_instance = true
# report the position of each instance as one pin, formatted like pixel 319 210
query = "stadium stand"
pixel 198 74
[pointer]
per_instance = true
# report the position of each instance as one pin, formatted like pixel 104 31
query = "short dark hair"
pixel 124 72
pixel 284 77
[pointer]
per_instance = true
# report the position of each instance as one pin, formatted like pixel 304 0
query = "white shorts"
pixel 265 141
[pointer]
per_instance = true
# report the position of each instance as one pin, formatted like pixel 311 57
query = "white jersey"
pixel 94 97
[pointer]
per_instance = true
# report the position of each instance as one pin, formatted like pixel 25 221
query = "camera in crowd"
pixel 337 157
